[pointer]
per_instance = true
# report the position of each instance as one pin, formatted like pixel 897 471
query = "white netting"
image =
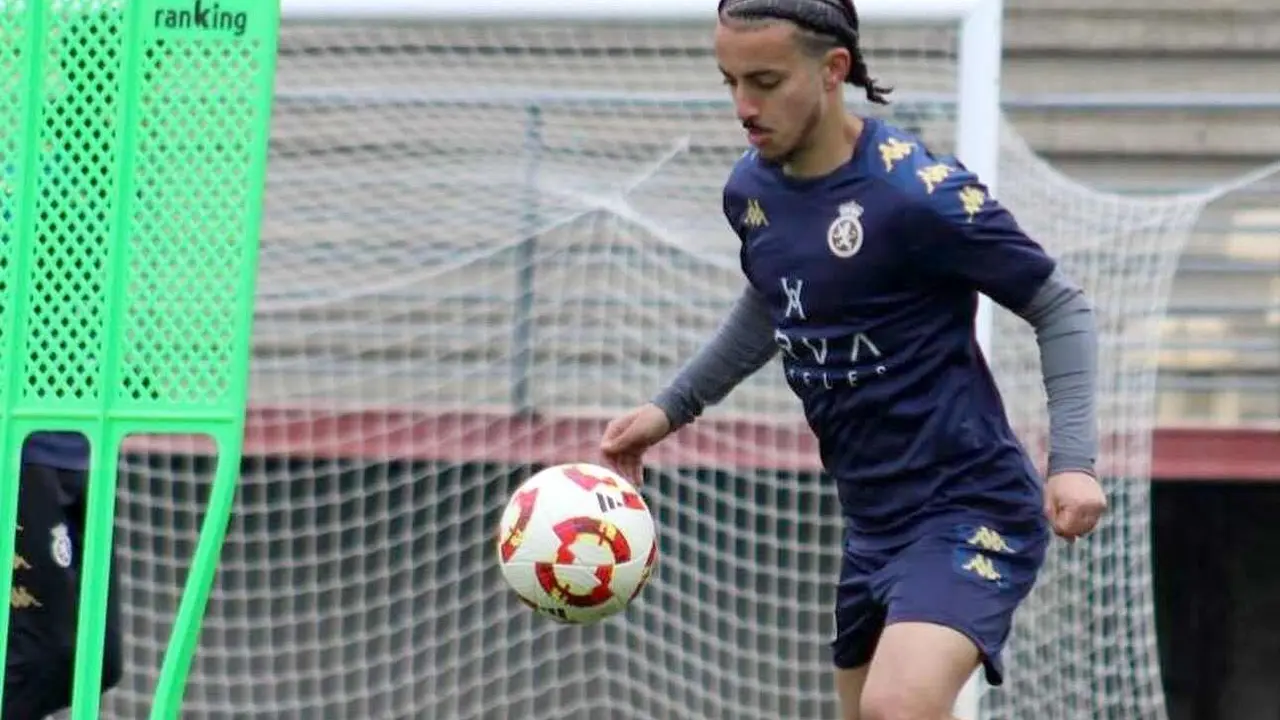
pixel 1085 645
pixel 487 220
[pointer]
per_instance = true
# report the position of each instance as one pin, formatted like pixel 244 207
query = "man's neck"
pixel 832 146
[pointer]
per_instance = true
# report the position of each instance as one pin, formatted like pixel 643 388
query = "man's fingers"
pixel 626 464
pixel 616 429
pixel 1064 523
pixel 611 461
pixel 1088 518
pixel 1071 521
pixel 615 435
pixel 629 468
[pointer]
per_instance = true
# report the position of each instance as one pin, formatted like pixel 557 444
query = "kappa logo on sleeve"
pixel 753 217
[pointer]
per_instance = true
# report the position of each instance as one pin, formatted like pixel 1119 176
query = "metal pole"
pixel 526 252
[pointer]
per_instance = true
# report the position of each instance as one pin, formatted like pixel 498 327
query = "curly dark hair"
pixel 822 25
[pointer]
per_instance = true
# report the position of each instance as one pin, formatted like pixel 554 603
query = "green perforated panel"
pixel 133 149
pixel 186 314
pixel 13 90
pixel 14 58
pixel 178 218
pixel 67 299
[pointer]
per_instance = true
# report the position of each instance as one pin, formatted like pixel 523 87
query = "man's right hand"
pixel 627 437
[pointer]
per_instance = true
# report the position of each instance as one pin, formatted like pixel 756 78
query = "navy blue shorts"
pixel 967 573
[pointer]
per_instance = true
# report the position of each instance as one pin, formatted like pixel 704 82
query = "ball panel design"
pixel 577 543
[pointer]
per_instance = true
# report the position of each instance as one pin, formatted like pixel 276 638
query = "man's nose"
pixel 748 110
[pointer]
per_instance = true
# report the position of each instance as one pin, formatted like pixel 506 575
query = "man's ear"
pixel 836 68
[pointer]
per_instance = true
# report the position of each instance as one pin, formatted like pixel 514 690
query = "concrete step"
pixel 1050 50
pixel 1148 31
pixel 1026 75
pixel 1203 133
pixel 1185 6
pixel 1165 174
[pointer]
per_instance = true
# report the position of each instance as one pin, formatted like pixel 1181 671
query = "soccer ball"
pixel 577 543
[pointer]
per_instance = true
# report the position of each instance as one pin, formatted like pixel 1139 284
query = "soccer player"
pixel 43 604
pixel 864 254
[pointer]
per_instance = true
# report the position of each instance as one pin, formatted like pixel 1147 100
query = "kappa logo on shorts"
pixel 978 555
pixel 976 565
pixel 984 538
pixel 60 547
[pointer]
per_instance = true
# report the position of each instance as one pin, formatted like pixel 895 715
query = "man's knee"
pixel 917 673
pixel 896 703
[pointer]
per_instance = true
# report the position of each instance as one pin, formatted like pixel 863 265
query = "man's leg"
pixel 951 603
pixel 849 684
pixel 38 669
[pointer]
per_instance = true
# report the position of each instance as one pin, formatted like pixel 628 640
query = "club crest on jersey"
pixel 844 235
pixel 60 545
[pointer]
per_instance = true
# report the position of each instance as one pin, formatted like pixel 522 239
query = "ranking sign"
pixel 133 144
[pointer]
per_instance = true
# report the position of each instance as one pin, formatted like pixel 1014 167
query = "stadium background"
pixel 1143 96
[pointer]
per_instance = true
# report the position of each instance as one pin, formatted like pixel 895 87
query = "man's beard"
pixel 804 139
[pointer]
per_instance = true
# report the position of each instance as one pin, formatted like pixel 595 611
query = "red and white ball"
pixel 577 543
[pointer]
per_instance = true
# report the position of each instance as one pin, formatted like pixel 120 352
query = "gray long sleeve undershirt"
pixel 1065 332
pixel 742 345
pixel 1068 338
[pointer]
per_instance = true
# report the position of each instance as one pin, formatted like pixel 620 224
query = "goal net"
pixel 484 238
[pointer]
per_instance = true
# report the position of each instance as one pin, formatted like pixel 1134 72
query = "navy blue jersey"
pixel 872 274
